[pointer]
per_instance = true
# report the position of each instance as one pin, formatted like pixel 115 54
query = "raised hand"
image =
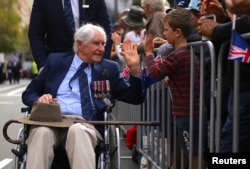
pixel 149 45
pixel 131 56
pixel 208 7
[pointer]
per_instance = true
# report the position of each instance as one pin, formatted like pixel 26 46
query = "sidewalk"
pixel 126 157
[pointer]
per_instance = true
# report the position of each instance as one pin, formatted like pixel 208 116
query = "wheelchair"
pixel 107 152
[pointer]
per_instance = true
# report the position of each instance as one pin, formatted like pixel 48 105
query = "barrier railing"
pixel 236 84
pixel 153 142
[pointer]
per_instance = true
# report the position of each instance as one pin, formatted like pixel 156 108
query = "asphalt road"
pixel 10 105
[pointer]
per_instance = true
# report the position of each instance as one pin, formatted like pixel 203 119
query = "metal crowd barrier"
pixel 153 142
pixel 236 82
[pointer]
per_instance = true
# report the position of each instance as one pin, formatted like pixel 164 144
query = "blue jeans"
pixel 244 124
pixel 183 126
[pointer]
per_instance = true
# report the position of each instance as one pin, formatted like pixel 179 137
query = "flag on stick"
pixel 240 49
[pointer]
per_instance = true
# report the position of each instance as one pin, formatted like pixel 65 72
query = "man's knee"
pixel 40 134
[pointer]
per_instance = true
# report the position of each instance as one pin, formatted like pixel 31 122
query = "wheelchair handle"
pixel 5 133
pixel 152 123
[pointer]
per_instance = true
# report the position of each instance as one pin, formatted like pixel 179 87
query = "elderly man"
pixel 58 82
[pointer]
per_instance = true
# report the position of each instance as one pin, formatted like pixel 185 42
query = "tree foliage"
pixel 11 33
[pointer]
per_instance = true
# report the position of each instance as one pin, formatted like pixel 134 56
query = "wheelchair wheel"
pixel 110 159
pixel 113 148
pixel 19 163
pixel 118 147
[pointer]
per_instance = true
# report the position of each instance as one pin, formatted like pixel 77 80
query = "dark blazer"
pixel 49 33
pixel 221 34
pixel 57 66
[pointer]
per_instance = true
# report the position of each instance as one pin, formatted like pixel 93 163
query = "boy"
pixel 178 25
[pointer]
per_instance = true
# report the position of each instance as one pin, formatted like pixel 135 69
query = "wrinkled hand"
pixel 47 98
pixel 149 45
pixel 208 7
pixel 205 27
pixel 131 56
pixel 239 7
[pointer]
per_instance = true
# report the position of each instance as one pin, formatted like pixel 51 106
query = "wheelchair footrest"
pixel 19 153
pixel 112 151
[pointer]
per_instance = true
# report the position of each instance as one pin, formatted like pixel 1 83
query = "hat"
pixel 46 114
pixel 135 17
pixel 193 6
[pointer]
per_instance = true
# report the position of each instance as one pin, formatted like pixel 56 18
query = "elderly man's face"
pixel 92 51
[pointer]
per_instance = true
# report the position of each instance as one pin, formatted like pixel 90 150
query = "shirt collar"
pixel 77 62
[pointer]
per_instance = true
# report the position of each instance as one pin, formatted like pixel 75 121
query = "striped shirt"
pixel 177 67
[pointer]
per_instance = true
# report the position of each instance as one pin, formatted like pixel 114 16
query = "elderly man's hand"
pixel 131 56
pixel 47 98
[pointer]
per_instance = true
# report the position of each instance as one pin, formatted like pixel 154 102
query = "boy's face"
pixel 169 33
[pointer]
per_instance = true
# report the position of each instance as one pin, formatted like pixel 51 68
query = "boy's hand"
pixel 149 45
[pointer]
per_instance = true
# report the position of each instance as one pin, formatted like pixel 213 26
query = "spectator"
pixel 34 69
pixel 215 7
pixel 178 25
pixel 49 31
pixel 16 70
pixel 238 7
pixel 10 71
pixel 221 33
pixel 1 72
pixel 154 11
pixel 135 22
pixel 56 83
pixel 120 29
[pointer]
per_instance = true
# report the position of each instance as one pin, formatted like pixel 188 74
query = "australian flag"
pixel 240 49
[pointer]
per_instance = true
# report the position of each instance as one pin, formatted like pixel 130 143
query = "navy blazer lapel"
pixel 61 71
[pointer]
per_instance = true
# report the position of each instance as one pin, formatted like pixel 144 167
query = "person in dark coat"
pixel 49 32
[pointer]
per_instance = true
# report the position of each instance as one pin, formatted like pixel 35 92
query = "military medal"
pixel 101 89
pixel 108 95
pixel 94 87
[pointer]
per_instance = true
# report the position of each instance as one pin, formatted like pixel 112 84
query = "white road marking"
pixel 21 89
pixel 2 102
pixel 5 162
pixel 7 88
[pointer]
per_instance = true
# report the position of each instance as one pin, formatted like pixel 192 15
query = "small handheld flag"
pixel 240 49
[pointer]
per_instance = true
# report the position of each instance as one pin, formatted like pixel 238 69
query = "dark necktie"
pixel 84 91
pixel 69 15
